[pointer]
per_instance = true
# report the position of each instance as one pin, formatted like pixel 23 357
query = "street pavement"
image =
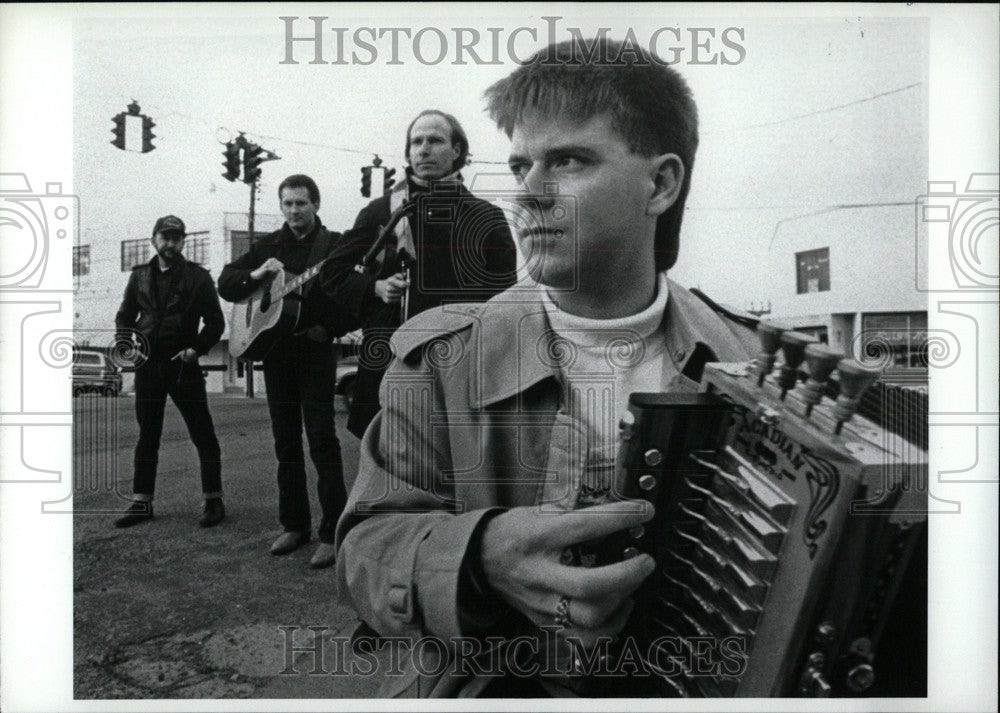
pixel 169 610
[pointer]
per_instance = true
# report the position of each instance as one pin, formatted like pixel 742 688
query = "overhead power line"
pixel 165 112
pixel 831 209
pixel 826 110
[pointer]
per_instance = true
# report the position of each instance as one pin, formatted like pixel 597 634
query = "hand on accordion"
pixel 521 555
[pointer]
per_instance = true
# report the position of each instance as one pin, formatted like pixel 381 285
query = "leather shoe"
pixel 324 556
pixel 215 511
pixel 289 542
pixel 136 513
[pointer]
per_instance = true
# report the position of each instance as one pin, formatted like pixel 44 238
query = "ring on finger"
pixel 562 613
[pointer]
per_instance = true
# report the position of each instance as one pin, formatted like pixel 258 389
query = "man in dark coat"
pixel 458 248
pixel 300 371
pixel 164 302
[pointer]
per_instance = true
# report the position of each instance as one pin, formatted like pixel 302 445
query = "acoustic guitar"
pixel 271 313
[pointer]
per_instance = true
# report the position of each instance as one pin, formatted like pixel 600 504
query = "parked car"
pixel 347 372
pixel 94 372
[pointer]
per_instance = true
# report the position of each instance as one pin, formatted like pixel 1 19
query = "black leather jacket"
pixel 163 333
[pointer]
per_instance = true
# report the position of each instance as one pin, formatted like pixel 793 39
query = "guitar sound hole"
pixel 265 300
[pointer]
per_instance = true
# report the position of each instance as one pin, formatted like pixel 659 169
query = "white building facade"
pixel 848 277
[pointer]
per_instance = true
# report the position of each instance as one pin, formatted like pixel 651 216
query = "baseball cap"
pixel 169 224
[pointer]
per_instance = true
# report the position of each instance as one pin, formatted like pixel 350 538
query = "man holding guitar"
pixel 299 369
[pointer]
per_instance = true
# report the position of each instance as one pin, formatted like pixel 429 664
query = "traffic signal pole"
pixel 240 152
pixel 253 204
pixel 250 232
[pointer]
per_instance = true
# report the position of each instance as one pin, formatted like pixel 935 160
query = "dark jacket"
pixel 236 284
pixel 163 332
pixel 474 421
pixel 465 253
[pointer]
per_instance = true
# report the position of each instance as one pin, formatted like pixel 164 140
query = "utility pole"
pixel 242 152
pixel 250 221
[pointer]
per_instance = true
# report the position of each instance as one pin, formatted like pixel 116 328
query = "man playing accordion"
pixel 498 420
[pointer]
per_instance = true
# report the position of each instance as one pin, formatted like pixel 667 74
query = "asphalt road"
pixel 169 610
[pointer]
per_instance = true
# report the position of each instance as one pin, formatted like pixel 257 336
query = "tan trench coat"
pixel 471 422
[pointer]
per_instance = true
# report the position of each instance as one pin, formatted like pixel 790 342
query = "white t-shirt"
pixel 601 362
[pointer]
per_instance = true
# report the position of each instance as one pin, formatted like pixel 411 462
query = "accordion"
pixel 786 527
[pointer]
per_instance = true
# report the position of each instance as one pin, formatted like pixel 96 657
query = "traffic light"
pixel 231 154
pixel 252 158
pixel 119 131
pixel 388 180
pixel 366 181
pixel 147 134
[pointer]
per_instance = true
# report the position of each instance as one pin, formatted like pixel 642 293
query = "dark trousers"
pixel 373 361
pixel 185 384
pixel 300 376
pixel 365 405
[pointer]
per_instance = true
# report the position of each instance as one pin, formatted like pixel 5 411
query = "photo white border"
pixel 36 646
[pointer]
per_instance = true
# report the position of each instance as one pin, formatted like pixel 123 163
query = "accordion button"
pixel 861 678
pixel 826 633
pixel 630 552
pixel 653 457
pixel 816 685
pixel 647 482
pixel 636 532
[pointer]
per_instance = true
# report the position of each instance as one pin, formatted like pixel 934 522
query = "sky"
pixel 815 113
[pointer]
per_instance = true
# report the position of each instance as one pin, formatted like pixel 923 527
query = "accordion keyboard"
pixel 784 523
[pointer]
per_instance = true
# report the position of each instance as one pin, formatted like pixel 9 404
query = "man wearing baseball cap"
pixel 165 301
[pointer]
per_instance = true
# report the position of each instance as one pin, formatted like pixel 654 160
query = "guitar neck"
pixel 297 282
